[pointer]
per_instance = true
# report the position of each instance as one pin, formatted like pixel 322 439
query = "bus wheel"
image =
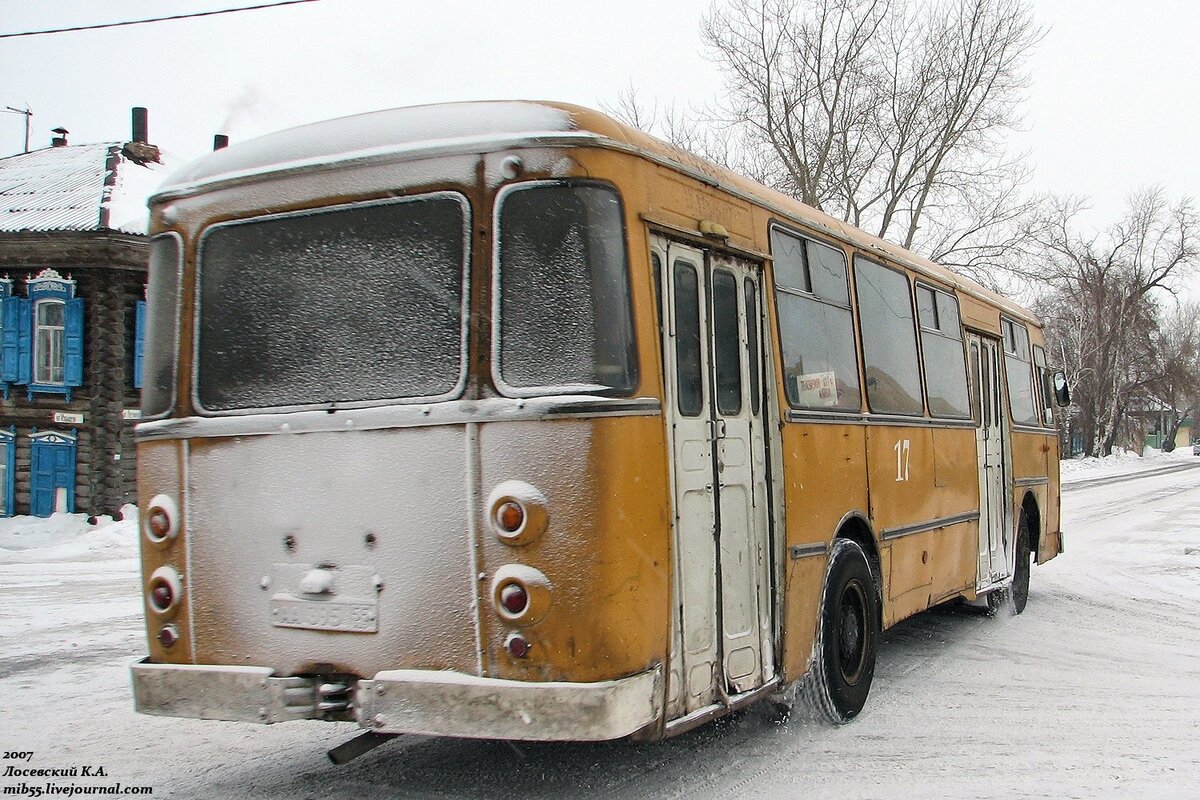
pixel 836 686
pixel 1020 584
pixel 1015 596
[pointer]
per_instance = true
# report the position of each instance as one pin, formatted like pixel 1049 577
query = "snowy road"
pixel 1093 692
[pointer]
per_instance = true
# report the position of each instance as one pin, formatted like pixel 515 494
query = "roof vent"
pixel 61 139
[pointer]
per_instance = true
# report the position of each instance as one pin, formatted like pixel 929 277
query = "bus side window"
pixel 1018 368
pixel 942 347
pixel 975 384
pixel 816 329
pixel 728 348
pixel 986 389
pixel 660 312
pixel 687 340
pixel 885 315
pixel 1042 382
pixel 752 352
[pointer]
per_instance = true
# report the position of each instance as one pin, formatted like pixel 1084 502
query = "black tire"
pixel 1019 593
pixel 839 679
pixel 1015 596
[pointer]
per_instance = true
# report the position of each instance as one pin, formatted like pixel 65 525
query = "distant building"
pixel 73 255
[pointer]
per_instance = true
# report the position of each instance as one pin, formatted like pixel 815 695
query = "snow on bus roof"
pixel 484 125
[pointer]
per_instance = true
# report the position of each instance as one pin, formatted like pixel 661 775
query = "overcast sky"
pixel 1114 102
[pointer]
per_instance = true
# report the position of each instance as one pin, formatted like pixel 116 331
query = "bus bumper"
pixel 410 701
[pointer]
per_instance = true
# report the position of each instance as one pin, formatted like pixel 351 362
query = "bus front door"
pixel 989 440
pixel 712 349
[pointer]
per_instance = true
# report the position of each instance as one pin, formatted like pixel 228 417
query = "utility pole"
pixel 28 116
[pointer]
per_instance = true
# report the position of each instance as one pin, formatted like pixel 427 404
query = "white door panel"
pixel 990 447
pixel 712 361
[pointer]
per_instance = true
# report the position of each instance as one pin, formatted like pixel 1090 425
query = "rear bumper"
pixel 410 701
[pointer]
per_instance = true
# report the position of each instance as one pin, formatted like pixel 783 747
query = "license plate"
pixel 324 615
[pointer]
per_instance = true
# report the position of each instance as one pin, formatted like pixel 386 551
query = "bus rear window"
pixel 564 321
pixel 352 305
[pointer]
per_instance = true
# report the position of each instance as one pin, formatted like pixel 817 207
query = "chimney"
pixel 140 125
pixel 61 139
pixel 220 142
pixel 138 149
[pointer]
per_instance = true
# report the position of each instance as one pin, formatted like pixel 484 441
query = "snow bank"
pixel 1122 462
pixel 68 537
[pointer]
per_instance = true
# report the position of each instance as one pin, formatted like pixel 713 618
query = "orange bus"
pixel 506 420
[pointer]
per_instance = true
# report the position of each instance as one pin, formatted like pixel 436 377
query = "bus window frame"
pixel 550 390
pixel 1008 324
pixel 916 322
pixel 172 406
pixel 850 306
pixel 454 393
pixel 918 284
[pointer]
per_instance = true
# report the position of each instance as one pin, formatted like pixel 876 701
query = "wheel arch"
pixel 856 527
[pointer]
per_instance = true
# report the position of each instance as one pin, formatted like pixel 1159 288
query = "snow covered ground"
pixel 1093 692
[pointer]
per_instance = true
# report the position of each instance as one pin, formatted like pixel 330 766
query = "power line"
pixel 155 19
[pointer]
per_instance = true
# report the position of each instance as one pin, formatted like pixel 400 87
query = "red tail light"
pixel 161 519
pixel 517 645
pixel 168 636
pixel 164 591
pixel 161 595
pixel 514 598
pixel 520 594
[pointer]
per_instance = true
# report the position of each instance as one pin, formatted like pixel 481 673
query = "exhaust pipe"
pixel 363 743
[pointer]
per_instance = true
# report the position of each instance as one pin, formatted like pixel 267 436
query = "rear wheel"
pixel 1020 584
pixel 836 686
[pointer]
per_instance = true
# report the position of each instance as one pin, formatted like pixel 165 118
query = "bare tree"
pixel 1177 362
pixel 1100 301
pixel 887 113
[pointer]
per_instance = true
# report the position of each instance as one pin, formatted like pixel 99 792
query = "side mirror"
pixel 1062 392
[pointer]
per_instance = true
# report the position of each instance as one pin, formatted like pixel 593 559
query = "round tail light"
pixel 161 519
pixel 164 590
pixel 510 517
pixel 513 598
pixel 161 595
pixel 520 594
pixel 517 645
pixel 519 512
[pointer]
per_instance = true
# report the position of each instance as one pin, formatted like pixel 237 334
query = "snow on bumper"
pixel 410 701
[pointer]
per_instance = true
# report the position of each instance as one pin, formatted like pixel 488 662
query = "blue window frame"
pixel 43 337
pixel 139 342
pixel 51 472
pixel 8 455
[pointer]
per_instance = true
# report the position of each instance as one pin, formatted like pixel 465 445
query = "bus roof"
pixel 483 126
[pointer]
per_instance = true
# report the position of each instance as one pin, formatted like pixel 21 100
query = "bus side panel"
pixel 1051 524
pixel 1031 454
pixel 956 479
pixel 919 475
pixel 822 483
pixel 605 550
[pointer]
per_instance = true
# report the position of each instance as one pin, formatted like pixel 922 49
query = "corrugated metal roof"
pixel 86 187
